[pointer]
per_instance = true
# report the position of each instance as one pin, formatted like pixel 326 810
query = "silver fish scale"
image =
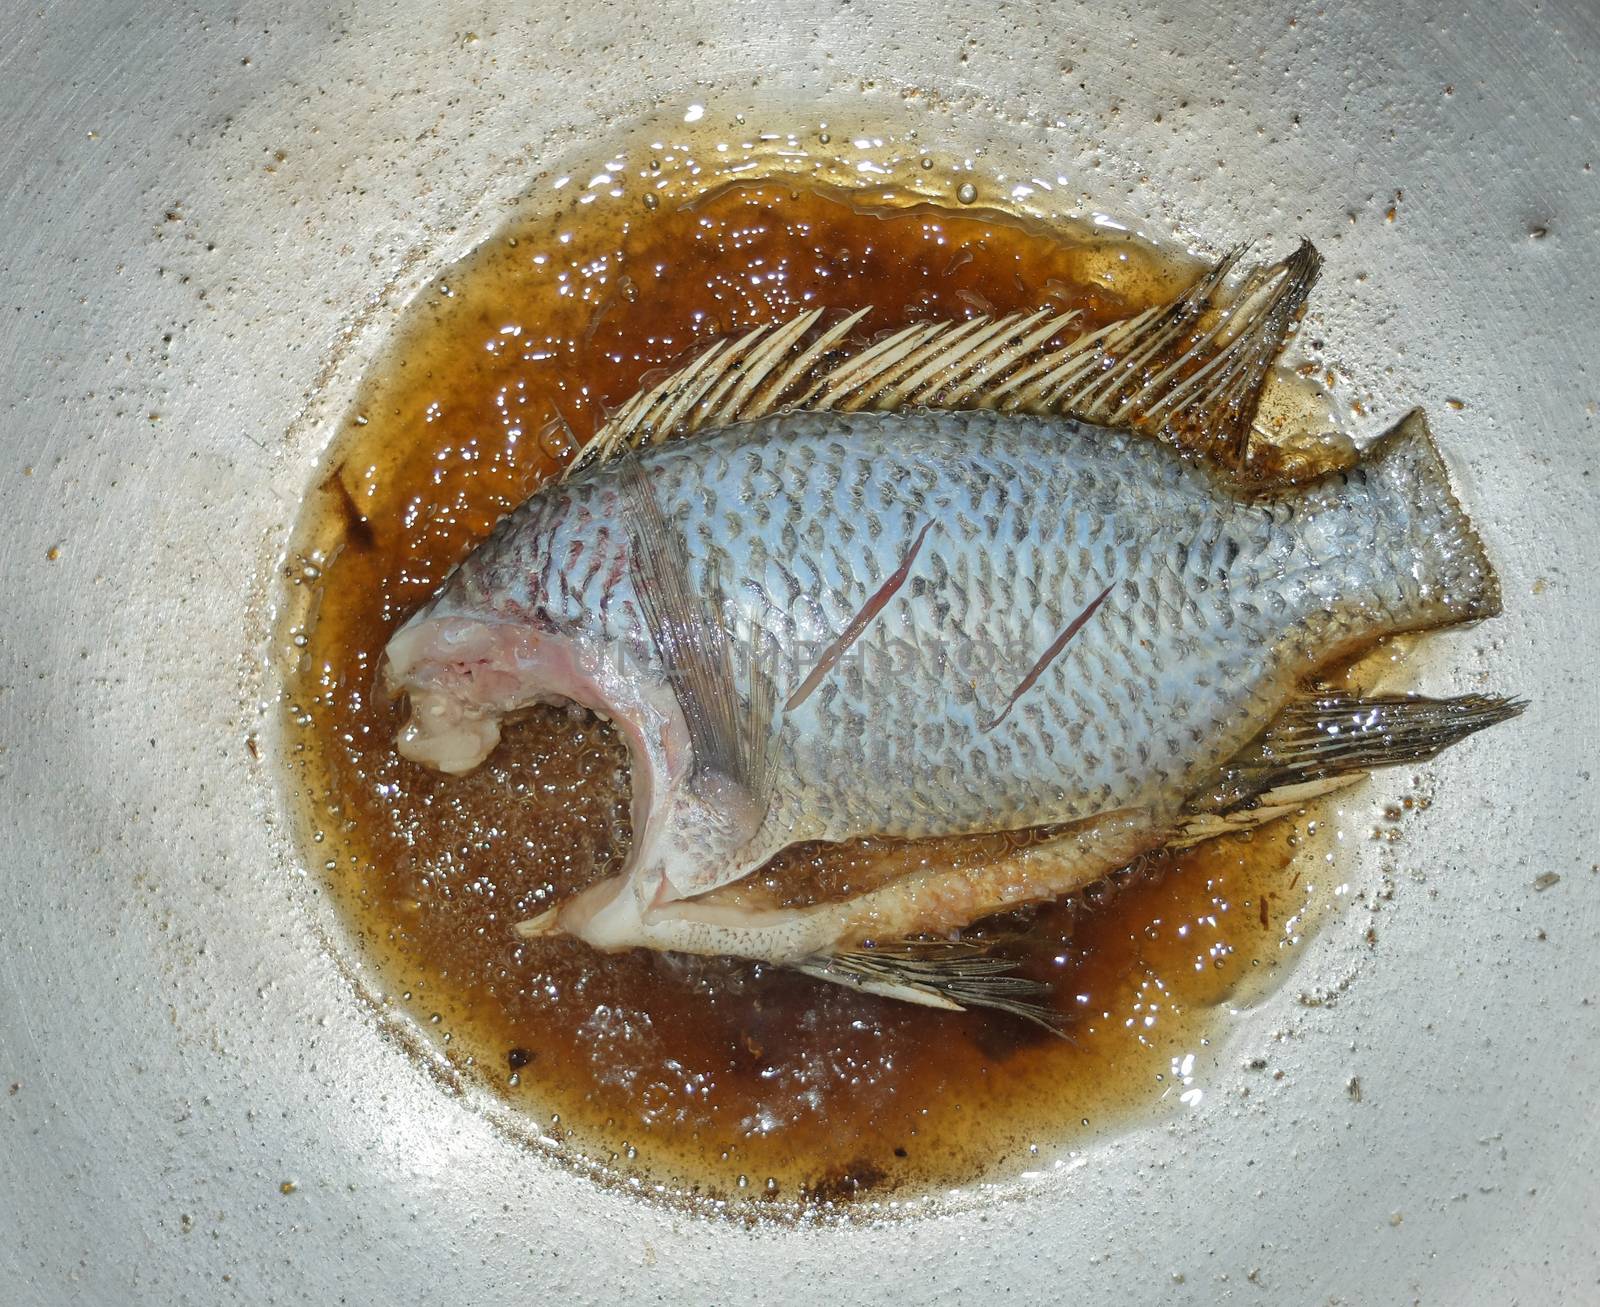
pixel 1022 540
pixel 1214 605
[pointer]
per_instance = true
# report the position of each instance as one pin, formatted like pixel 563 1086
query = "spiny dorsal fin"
pixel 1191 372
pixel 753 378
pixel 727 737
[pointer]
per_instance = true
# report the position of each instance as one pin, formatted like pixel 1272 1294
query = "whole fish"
pixel 921 622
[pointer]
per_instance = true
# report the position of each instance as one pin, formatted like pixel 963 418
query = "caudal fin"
pixel 1448 577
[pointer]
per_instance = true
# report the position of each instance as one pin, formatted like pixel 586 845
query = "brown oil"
pixel 708 1076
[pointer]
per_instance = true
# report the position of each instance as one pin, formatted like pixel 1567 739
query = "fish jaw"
pixel 620 913
pixel 460 677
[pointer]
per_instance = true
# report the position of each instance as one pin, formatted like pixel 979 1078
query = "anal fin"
pixel 1316 747
pixel 1320 742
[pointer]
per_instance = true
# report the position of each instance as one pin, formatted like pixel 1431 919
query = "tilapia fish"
pixel 963 581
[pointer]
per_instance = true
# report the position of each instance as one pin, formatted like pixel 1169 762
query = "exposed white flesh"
pixel 614 916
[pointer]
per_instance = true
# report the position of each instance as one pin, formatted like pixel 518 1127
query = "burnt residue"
pixel 848 1182
pixel 357 531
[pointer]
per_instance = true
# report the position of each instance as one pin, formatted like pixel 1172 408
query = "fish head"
pixel 557 607
pixel 463 674
pixel 502 635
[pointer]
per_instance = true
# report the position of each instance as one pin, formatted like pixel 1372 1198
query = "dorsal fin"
pixel 1191 371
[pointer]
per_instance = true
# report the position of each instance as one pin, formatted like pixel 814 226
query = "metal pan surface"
pixel 209 219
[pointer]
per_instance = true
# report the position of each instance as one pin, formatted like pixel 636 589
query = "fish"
pixel 975 577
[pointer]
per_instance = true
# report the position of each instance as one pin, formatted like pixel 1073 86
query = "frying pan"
pixel 210 218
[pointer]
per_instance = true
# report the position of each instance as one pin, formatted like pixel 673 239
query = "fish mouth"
pixel 462 676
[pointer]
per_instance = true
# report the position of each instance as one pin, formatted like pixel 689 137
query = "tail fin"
pixel 1452 579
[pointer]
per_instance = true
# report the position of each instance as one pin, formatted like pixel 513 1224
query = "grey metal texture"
pixel 210 216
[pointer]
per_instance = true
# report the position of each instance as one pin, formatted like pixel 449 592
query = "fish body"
pixel 925 623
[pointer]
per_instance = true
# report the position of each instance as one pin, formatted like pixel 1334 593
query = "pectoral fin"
pixel 730 734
